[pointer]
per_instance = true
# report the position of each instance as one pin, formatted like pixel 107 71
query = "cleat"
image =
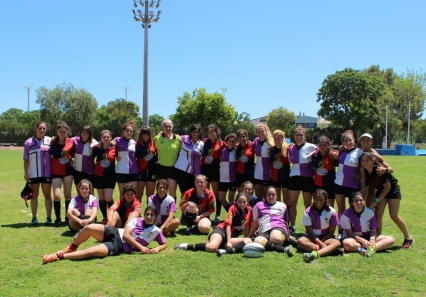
pixel 308 257
pixel 50 258
pixel 216 219
pixel 67 250
pixel 407 243
pixel 371 250
pixel 220 252
pixel 288 250
pixel 104 221
pixel 188 231
pixel 34 221
pixel 48 221
pixel 181 246
pixel 292 229
pixel 57 223
pixel 340 251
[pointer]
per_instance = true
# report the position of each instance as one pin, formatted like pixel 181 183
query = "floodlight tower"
pixel 28 88
pixel 125 89
pixel 146 17
pixel 224 90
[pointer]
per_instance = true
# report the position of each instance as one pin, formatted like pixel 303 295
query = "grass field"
pixel 395 272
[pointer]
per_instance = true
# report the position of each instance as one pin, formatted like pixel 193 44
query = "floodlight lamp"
pixel 158 6
pixel 134 12
pixel 135 5
pixel 139 11
pixel 141 3
pixel 157 19
pixel 136 19
pixel 151 12
pixel 159 13
pixel 151 5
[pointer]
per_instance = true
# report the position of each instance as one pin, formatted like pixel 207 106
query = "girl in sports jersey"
pixel 37 170
pixel 104 174
pixel 388 192
pixel 83 158
pixel 167 206
pixel 247 187
pixel 245 156
pixel 125 209
pixel 347 178
pixel 135 237
pixel 325 163
pixel 225 237
pixel 83 208
pixel 270 218
pixel 126 170
pixel 320 221
pixel 300 155
pixel 360 229
pixel 188 164
pixel 280 165
pixel 146 158
pixel 227 172
pixel 62 150
pixel 262 145
pixel 210 163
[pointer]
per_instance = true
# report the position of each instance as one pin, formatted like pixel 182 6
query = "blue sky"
pixel 266 53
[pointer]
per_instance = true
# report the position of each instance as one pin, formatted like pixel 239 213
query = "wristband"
pixel 377 200
pixel 387 169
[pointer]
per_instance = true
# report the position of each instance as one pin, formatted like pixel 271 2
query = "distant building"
pixel 258 121
pixel 306 122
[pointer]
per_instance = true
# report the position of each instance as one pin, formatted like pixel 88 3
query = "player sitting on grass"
pixel 136 236
pixel 125 209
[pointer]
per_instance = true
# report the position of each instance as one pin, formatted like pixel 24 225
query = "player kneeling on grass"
pixel 125 209
pixel 167 207
pixel 83 208
pixel 136 236
pixel 320 221
pixel 224 238
pixel 271 217
pixel 359 229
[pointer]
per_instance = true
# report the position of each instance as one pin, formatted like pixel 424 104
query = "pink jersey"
pixel 125 149
pixel 270 216
pixel 360 224
pixel 165 205
pixel 83 159
pixel 320 222
pixel 78 203
pixel 37 153
pixel 143 235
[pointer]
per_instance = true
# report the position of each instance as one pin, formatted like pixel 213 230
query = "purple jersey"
pixel 300 157
pixel 125 149
pixel 37 153
pixel 346 175
pixel 143 235
pixel 270 216
pixel 83 159
pixel 320 222
pixel 78 203
pixel 228 166
pixel 189 159
pixel 263 164
pixel 360 224
pixel 165 205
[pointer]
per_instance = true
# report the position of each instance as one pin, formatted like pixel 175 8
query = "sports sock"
pixel 67 203
pixel 60 255
pixel 218 207
pixel 110 203
pixel 103 207
pixel 272 247
pixel 196 247
pixel 189 218
pixel 226 207
pixel 57 208
pixel 238 248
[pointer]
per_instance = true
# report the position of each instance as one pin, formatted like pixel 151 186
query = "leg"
pixel 292 207
pixel 351 245
pixel 307 199
pixel 140 190
pixel 235 241
pixel 214 243
pixel 67 187
pixel 172 187
pixel 258 189
pixel 47 188
pixel 393 205
pixel 172 226
pixel 114 220
pixel 231 196
pixel 340 200
pixel 57 185
pixel 132 215
pixel 331 245
pixel 98 251
pixel 204 225
pixel 379 211
pixel 331 202
pixel 75 226
pixel 384 242
pixel 34 201
pixel 285 196
pixel 150 189
pixel 222 199
pixel 306 244
pixel 120 188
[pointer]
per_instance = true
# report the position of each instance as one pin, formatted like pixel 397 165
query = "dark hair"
pixel 152 208
pixel 354 194
pixel 39 123
pixel 161 182
pixel 85 181
pixel 215 129
pixel 106 131
pixel 89 130
pixel 242 131
pixel 129 124
pixel 129 187
pixel 323 138
pixel 300 128
pixel 348 133
pixel 195 127
pixel 247 182
pixel 144 130
pixel 270 188
pixel 62 125
pixel 232 135
pixel 321 192
pixel 242 194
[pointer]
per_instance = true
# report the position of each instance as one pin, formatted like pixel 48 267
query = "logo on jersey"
pixel 243 157
pixel 277 164
pixel 322 171
pixel 209 158
pixel 149 157
pixel 64 160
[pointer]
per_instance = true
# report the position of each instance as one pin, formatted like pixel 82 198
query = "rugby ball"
pixel 253 250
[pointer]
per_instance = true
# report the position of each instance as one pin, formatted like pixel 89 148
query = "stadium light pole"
pixel 224 90
pixel 125 89
pixel 28 88
pixel 146 17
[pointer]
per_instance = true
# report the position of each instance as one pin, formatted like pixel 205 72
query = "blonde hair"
pixel 269 137
pixel 284 146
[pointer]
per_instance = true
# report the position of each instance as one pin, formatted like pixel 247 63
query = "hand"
pixel 145 250
pixel 364 243
pixel 372 205
pixel 118 158
pixel 26 177
pixel 229 244
pixel 154 251
pixel 197 219
pixel 381 170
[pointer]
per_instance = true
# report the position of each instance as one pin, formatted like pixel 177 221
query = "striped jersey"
pixel 300 157
pixel 126 149
pixel 320 220
pixel 37 153
pixel 263 164
pixel 83 159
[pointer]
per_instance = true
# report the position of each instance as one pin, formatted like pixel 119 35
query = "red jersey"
pixel 204 203
pixel 62 155
pixel 212 152
pixel 105 161
pixel 245 157
pixel 146 156
pixel 237 218
pixel 124 209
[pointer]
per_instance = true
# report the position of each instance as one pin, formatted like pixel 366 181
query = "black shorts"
pixel 264 183
pixel 125 178
pixel 394 193
pixel 37 180
pixel 60 176
pixel 79 176
pixel 146 176
pixel 211 172
pixel 300 183
pixel 224 187
pixel 320 237
pixel 244 177
pixel 101 183
pixel 282 184
pixel 112 241
pixel 222 233
pixel 267 234
pixel 341 190
pixel 164 172
pixel 184 180
pixel 329 190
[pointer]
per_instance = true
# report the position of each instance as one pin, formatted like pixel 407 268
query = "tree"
pixel 65 103
pixel 204 109
pixel 349 99
pixel 280 118
pixel 155 121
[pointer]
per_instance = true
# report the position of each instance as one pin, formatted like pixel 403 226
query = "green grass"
pixel 179 273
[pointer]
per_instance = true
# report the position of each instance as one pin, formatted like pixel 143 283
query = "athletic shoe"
pixel 407 243
pixel 104 221
pixel 188 231
pixel 48 221
pixel 339 234
pixel 50 258
pixel 220 252
pixel 216 219
pixel 182 221
pixel 308 257
pixel 181 246
pixel 292 241
pixel 67 250
pixel 57 223
pixel 340 251
pixel 77 233
pixel 34 221
pixel 292 229
pixel 288 250
pixel 370 251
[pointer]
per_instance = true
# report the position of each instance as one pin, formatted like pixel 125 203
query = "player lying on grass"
pixel 136 236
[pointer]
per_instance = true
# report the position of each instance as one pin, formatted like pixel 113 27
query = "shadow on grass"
pixel 25 225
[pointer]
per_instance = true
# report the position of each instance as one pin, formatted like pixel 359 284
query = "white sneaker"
pixel 181 246
pixel 220 252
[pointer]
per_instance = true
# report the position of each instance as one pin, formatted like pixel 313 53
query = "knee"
pixel 203 229
pixel 247 240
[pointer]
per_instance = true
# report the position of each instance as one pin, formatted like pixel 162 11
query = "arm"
pixel 364 243
pixel 205 214
pixel 130 240
pixel 158 249
pixel 228 236
pixel 92 217
pixel 168 220
pixel 386 189
pixel 253 228
pixel 26 165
